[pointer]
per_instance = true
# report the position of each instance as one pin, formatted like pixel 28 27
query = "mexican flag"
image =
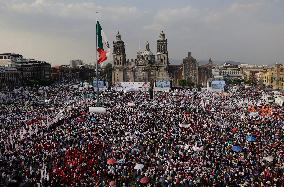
pixel 103 47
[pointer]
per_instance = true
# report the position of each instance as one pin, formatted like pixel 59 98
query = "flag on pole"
pixel 103 47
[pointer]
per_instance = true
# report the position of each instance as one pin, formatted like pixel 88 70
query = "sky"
pixel 57 31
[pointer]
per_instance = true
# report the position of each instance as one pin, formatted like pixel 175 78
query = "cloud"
pixel 172 17
pixel 60 24
pixel 189 16
pixel 239 29
pixel 236 31
pixel 71 10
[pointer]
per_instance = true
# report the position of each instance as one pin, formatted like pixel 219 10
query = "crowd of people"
pixel 179 138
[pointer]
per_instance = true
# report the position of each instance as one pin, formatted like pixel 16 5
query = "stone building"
pixel 205 73
pixel 190 69
pixel 29 69
pixel 274 77
pixel 9 77
pixel 252 73
pixel 10 59
pixel 175 72
pixel 34 70
pixel 120 67
pixel 147 67
pixel 230 71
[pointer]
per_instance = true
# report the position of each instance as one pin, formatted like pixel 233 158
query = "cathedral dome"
pixel 147 52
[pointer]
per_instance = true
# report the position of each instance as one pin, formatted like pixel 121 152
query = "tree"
pixel 183 82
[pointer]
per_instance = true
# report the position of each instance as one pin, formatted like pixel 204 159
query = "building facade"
pixel 175 73
pixel 230 71
pixel 9 77
pixel 274 77
pixel 120 66
pixel 147 67
pixel 252 73
pixel 29 69
pixel 10 59
pixel 190 69
pixel 34 70
pixel 205 73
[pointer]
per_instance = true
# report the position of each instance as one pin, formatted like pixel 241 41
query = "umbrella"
pixel 276 144
pixel 269 158
pixel 144 180
pixel 93 119
pixel 253 114
pixel 121 161
pixel 112 184
pixel 162 179
pixel 186 113
pixel 111 161
pixel 80 120
pixel 134 150
pixel 195 148
pixel 184 125
pixel 130 104
pixel 251 138
pixel 83 113
pixel 139 166
pixel 237 148
pixel 234 130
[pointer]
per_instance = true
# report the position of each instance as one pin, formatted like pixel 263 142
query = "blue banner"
pixel 218 85
pixel 163 84
pixel 101 84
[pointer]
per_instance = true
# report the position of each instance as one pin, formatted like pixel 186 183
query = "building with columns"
pixel 147 67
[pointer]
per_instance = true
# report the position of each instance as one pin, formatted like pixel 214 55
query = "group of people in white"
pixel 180 138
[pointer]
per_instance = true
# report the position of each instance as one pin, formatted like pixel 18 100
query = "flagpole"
pixel 97 74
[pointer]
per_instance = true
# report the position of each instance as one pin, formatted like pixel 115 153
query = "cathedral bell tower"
pixel 162 50
pixel 162 57
pixel 119 60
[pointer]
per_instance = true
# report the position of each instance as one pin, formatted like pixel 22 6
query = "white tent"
pixel 97 110
pixel 268 158
pixel 131 104
pixel 139 166
pixel 195 148
pixel 184 125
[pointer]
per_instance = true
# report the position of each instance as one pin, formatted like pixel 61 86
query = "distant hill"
pixel 233 62
pixel 203 62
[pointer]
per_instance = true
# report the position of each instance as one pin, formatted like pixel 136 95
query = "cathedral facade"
pixel 147 67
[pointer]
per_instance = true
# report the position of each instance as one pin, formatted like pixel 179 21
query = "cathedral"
pixel 147 67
